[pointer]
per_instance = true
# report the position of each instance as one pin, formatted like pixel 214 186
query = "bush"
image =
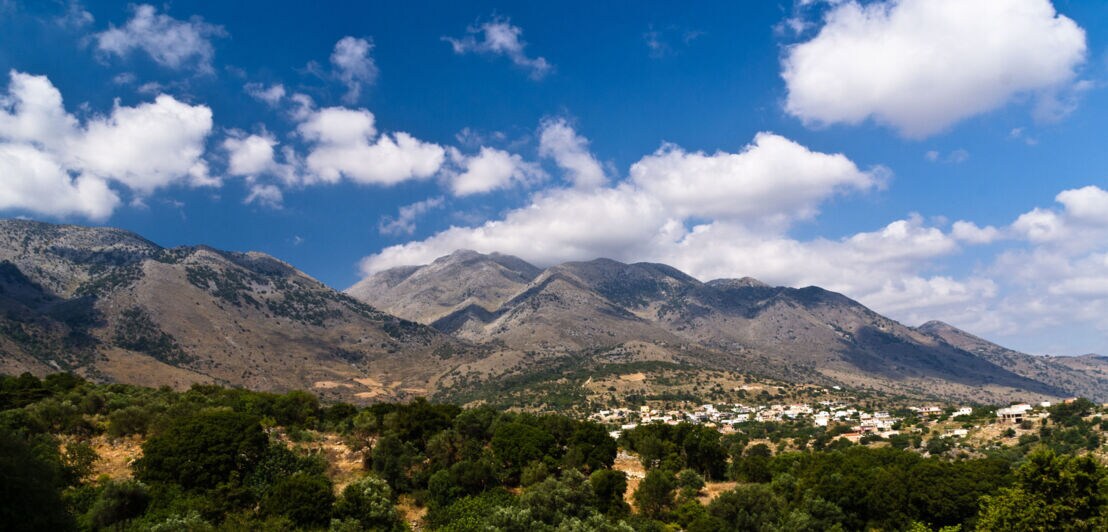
pixel 369 502
pixel 690 483
pixel 118 502
pixel 304 498
pixel 129 420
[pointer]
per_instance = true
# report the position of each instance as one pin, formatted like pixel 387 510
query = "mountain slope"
pixel 460 279
pixel 116 307
pixel 738 324
pixel 1085 376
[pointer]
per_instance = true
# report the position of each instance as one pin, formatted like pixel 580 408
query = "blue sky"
pixel 935 160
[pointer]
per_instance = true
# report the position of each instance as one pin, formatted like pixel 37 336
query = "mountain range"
pixel 115 307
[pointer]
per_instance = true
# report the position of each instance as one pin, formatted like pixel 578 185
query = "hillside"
pixel 602 307
pixel 113 306
pixel 1085 376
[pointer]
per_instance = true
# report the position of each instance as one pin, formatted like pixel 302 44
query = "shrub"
pixel 369 501
pixel 304 498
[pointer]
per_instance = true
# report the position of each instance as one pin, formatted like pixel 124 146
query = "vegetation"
pixel 215 458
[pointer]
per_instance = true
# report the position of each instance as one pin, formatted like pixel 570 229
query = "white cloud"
pixel 922 65
pixel 772 180
pixel 145 147
pixel 570 151
pixel 32 180
pixel 250 155
pixel 169 42
pixel 354 66
pixel 75 16
pixel 271 95
pixel 404 223
pixel 500 37
pixel 255 158
pixel 490 169
pixel 1081 224
pixel 148 146
pixel 265 195
pixel 970 233
pixel 344 143
pixel 1053 277
pixel 1087 204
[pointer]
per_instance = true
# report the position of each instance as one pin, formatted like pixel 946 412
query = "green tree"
pixel 754 465
pixel 517 444
pixel 690 483
pixel 1052 491
pixel 30 488
pixel 610 487
pixel 655 494
pixel 203 450
pixel 1071 413
pixel 751 507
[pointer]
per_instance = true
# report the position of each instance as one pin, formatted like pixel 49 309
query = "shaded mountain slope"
pixel 114 306
pixel 1085 376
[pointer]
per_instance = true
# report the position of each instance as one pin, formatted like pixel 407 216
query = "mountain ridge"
pixel 114 306
pixel 810 330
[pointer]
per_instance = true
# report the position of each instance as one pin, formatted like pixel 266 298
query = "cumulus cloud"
pixel 490 169
pixel 250 155
pixel 354 65
pixel 145 148
pixel 345 143
pixel 255 158
pixel 404 222
pixel 969 232
pixel 500 37
pixel 148 146
pixel 922 65
pixel 771 180
pixel 570 151
pixel 168 41
pixel 32 180
pixel 1080 225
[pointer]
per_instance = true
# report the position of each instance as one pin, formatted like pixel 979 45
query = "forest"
pixel 216 458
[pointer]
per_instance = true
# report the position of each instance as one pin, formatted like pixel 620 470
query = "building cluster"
pixel 862 423
pixel 725 417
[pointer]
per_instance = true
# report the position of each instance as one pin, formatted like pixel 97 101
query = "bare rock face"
pixel 738 324
pixel 116 307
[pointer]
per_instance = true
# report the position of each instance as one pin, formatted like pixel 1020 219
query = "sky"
pixel 933 159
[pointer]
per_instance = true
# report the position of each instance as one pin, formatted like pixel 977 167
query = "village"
pixel 855 422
